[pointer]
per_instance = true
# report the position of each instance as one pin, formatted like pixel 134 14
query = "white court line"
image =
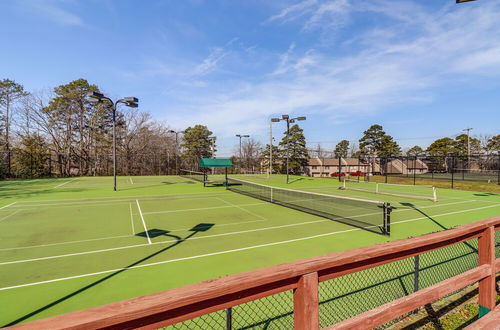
pixel 96 202
pixel 62 184
pixel 223 234
pixel 8 216
pixel 112 237
pixel 241 208
pixel 152 197
pixel 63 243
pixel 206 208
pixel 6 206
pixel 143 222
pixel 227 251
pixel 132 182
pixel 132 219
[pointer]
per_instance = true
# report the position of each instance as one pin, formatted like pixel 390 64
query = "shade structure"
pixel 215 162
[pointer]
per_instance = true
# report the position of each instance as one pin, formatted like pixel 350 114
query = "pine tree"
pixel 294 144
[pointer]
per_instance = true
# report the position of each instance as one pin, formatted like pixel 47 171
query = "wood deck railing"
pixel 184 303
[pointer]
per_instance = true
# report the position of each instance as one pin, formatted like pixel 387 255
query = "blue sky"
pixel 422 69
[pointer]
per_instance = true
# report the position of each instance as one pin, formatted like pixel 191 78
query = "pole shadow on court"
pixel 152 233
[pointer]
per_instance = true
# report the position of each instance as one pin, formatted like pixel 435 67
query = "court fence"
pixel 368 287
pixel 448 168
pixel 22 164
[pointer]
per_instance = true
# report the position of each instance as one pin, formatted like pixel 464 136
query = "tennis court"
pixel 69 244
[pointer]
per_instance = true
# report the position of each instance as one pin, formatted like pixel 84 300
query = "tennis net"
pixel 399 190
pixel 193 175
pixel 373 216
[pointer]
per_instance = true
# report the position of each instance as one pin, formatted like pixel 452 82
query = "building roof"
pixel 216 162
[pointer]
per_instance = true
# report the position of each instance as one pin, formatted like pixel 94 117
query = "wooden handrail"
pixel 179 304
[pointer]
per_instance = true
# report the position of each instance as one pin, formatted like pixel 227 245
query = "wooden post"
pixel 306 303
pixel 487 289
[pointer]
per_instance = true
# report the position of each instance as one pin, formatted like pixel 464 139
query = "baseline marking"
pixel 143 222
pixel 225 252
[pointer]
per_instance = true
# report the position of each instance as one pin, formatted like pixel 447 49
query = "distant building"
pixel 327 167
pixel 407 166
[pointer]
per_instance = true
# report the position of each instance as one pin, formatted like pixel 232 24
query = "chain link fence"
pixel 410 169
pixel 344 297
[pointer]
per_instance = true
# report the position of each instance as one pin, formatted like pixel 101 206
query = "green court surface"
pixel 70 244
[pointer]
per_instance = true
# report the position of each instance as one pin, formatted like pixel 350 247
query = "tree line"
pixel 376 142
pixel 62 133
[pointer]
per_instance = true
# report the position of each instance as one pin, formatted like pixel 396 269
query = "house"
pixel 405 167
pixel 327 167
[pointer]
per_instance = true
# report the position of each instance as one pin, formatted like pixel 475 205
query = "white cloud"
pixel 405 66
pixel 209 64
pixel 53 10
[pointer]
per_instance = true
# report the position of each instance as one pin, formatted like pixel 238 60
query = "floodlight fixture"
pixel 131 99
pixel 285 117
pixel 132 105
pixel 96 95
pixel 460 1
pixel 301 118
pixel 275 120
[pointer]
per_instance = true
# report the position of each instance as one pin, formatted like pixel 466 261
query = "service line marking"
pixel 6 206
pixel 8 216
pixel 228 251
pixel 143 222
pixel 62 184
pixel 132 219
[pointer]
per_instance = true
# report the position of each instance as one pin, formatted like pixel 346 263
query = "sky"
pixel 422 69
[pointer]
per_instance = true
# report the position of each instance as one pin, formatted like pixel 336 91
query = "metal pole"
pixel 287 146
pixel 229 318
pixel 176 153
pixel 416 280
pixel 241 158
pixel 114 146
pixel 270 148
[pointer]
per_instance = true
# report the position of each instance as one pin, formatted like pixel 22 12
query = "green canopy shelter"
pixel 216 162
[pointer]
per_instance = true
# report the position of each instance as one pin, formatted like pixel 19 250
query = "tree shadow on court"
pixel 156 232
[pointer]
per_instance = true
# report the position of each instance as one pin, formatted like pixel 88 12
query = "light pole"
pixel 241 158
pixel 288 121
pixel 176 148
pixel 131 102
pixel 273 120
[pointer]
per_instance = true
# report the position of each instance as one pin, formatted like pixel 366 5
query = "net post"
pixel 434 195
pixel 387 218
pixel 340 169
pixel 376 188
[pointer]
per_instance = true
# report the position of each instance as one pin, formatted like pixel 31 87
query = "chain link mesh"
pixel 346 296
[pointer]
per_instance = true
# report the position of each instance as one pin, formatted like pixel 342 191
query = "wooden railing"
pixel 184 303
